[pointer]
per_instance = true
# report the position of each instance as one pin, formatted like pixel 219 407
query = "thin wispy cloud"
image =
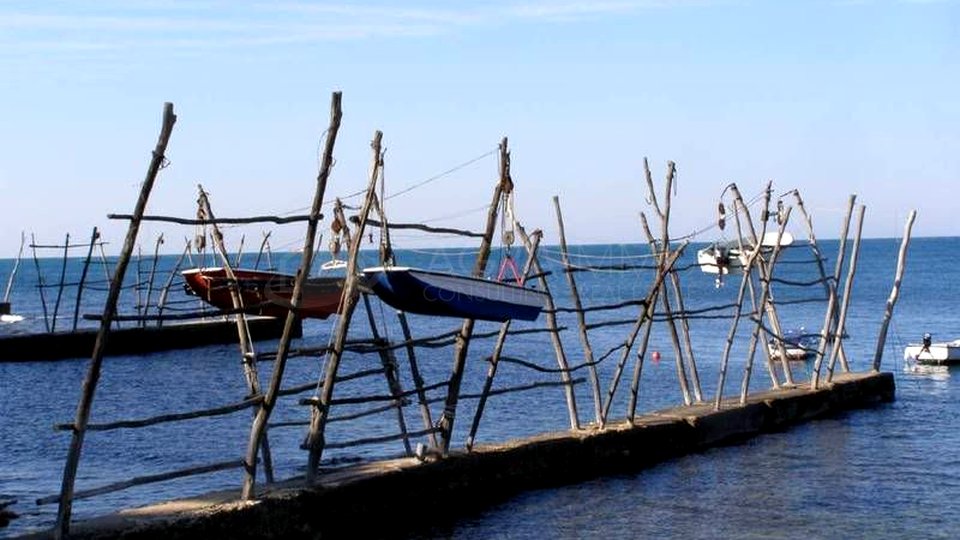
pixel 206 24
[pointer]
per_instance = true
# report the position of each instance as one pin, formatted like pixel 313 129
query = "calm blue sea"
pixel 888 472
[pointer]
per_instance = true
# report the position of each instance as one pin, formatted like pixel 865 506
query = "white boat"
pixel 797 344
pixel 722 257
pixel 934 354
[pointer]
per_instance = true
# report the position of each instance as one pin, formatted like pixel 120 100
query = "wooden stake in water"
pixel 895 292
pixel 13 273
pixel 109 310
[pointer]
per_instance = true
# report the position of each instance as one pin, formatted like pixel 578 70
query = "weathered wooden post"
pixel 318 421
pixel 895 292
pixel 551 315
pixel 671 326
pixel 259 426
pixel 13 274
pixel 664 215
pixel 581 317
pixel 40 285
pixel 504 186
pixel 818 255
pixel 109 310
pixel 83 277
pixel 153 274
pixel 497 349
pixel 827 331
pixel 63 277
pixel 263 244
pixel 164 293
pixel 845 303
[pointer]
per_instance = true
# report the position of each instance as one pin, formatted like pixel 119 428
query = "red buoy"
pixel 656 356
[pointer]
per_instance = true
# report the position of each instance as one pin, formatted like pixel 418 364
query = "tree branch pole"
pixel 646 316
pixel 497 349
pixel 504 185
pixel 43 299
pixel 664 215
pixel 895 292
pixel 839 268
pixel 388 361
pixel 83 277
pixel 153 273
pixel 16 266
pixel 764 274
pixel 674 336
pixel 765 300
pixel 818 255
pixel 417 378
pixel 315 437
pixel 827 330
pixel 258 429
pixel 109 310
pixel 263 244
pixel 249 355
pixel 162 301
pixel 63 276
pixel 581 317
pixel 847 293
pixel 641 354
pixel 551 315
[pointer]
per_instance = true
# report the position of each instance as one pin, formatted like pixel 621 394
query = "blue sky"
pixel 832 97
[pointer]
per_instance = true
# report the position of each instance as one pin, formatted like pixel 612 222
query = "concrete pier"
pixel 134 340
pixel 371 498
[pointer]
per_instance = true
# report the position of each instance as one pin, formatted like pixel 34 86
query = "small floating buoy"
pixel 656 356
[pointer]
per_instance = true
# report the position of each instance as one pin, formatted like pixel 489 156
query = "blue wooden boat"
pixel 450 295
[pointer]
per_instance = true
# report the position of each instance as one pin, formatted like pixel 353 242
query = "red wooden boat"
pixel 266 293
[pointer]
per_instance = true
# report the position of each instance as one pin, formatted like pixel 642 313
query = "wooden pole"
pixel 818 255
pixel 263 244
pixel 581 317
pixel 153 273
pixel 248 354
pixel 107 275
pixel 504 185
pixel 638 367
pixel 895 292
pixel 551 315
pixel 847 292
pixel 390 372
pixel 259 427
pixel 43 299
pixel 664 215
pixel 827 331
pixel 63 277
pixel 315 437
pixel 243 238
pixel 83 277
pixel 765 300
pixel 417 378
pixel 838 269
pixel 497 349
pixel 763 268
pixel 162 301
pixel 645 317
pixel 675 338
pixel 109 310
pixel 16 266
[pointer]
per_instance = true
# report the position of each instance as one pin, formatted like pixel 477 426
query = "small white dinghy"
pixel 933 354
pixel 723 257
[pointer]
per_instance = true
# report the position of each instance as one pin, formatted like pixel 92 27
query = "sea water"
pixel 890 471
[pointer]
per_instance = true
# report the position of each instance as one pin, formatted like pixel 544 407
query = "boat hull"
pixel 266 293
pixel 448 295
pixel 936 354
